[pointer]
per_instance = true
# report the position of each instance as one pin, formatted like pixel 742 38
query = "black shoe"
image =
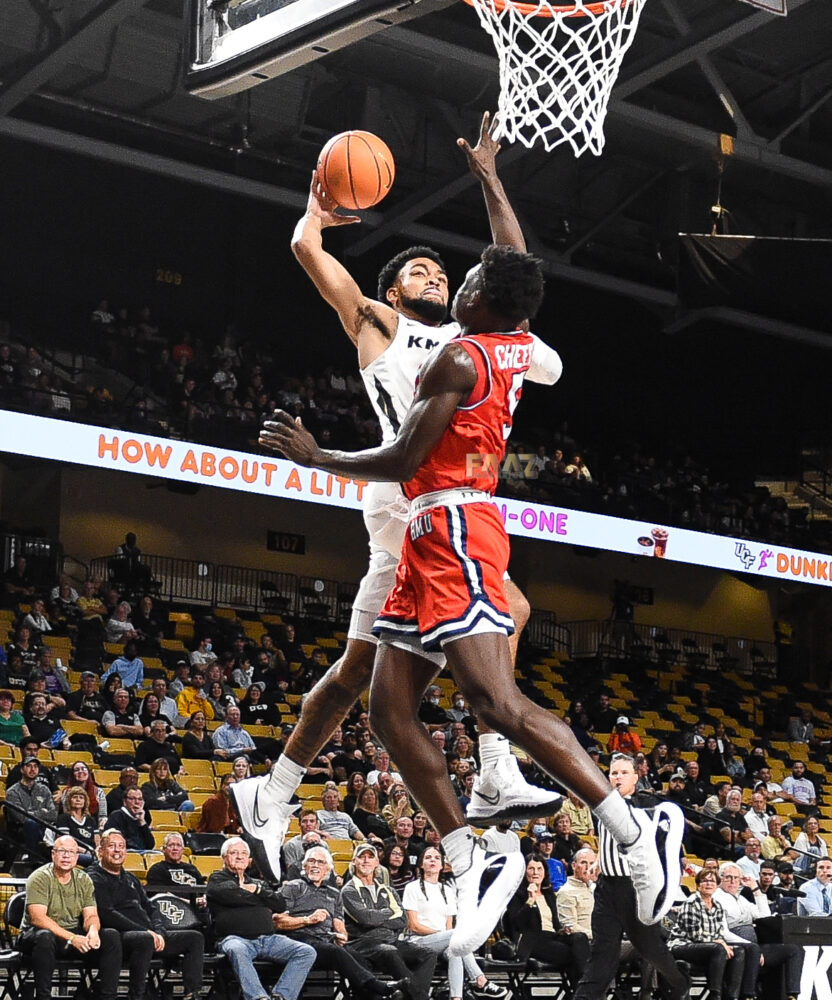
pixel 378 988
pixel 491 991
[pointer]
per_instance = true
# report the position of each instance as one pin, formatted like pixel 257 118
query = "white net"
pixel 557 67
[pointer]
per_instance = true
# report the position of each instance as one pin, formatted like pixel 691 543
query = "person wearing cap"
pixel 181 679
pixel 622 740
pixel 374 919
pixel 315 915
pixel 12 724
pixel 555 867
pixel 29 804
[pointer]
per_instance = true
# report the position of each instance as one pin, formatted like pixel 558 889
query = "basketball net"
pixel 558 65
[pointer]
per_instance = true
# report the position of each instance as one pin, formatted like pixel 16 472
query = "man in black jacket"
pixel 242 909
pixel 131 822
pixel 123 904
pixel 374 919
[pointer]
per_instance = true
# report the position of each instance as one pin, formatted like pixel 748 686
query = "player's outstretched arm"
pixel 446 380
pixel 334 282
pixel 505 228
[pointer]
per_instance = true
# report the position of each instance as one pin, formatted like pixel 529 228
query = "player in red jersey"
pixel 449 593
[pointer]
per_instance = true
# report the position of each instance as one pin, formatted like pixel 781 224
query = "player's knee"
pixel 354 670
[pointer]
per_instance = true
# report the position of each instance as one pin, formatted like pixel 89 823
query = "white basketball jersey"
pixel 390 380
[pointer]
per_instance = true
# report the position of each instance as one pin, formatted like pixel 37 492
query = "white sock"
pixel 458 845
pixel 285 777
pixel 615 814
pixel 493 747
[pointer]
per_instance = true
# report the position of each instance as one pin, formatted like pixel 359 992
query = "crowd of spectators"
pixel 178 384
pixel 162 718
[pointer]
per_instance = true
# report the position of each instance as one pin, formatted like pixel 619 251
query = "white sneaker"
pixel 479 906
pixel 502 793
pixel 264 821
pixel 654 859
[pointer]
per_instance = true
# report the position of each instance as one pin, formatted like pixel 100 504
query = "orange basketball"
pixel 356 169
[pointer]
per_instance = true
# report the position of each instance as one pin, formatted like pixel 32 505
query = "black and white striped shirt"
pixel 610 858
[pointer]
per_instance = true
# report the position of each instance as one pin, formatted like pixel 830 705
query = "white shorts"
pixel 386 516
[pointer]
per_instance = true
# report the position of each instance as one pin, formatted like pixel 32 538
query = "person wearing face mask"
pixel 204 655
pixel 458 712
pixel 430 710
pixel 535 829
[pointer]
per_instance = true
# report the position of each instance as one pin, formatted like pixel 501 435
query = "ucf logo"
pixel 172 911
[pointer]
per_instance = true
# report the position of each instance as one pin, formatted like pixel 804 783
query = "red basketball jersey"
pixel 470 452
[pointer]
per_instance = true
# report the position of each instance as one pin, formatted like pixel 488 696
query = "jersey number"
pixel 514 394
pixel 385 404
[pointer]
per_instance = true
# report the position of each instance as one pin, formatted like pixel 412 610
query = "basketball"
pixel 356 169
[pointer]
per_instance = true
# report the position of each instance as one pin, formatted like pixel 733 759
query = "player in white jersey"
pixel 393 336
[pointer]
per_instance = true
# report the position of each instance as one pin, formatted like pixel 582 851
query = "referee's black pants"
pixel 613 916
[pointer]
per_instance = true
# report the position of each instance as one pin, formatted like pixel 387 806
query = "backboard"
pixel 236 44
pixel 772 6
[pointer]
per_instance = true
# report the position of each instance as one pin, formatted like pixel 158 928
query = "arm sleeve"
pixel 546 367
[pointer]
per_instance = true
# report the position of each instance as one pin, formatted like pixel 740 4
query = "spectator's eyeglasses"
pixel 315 861
pixel 63 850
pixel 731 878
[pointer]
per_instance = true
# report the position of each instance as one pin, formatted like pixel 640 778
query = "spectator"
pixel 12 725
pixel 160 791
pixel 757 816
pixel 218 814
pixel 622 740
pixel 121 722
pixel 701 936
pixel 710 760
pixel 129 666
pixel 533 916
pixel 150 711
pixel 124 906
pixel 219 699
pixel 314 914
pixel 566 843
pixel 129 778
pixel 731 824
pixel 798 789
pixel 61 918
pixel 197 743
pixel 76 822
pixel 119 628
pixel 734 765
pixel 818 899
pixel 29 805
pixel 255 710
pixel 801 730
pixel 167 706
pixel 772 790
pixel 501 839
pixel 231 740
pixel 17 583
pixel 131 822
pixel 24 646
pixel 575 899
pixel 87 703
pixel 775 845
pixel 809 846
pixel 367 817
pixel 96 801
pixel 243 910
pixel 92 608
pixel 334 822
pixel 556 869
pixel 181 678
pixel 399 870
pixel 203 656
pixel 36 620
pixel 749 863
pixel 741 913
pixel 191 699
pixel 374 920
pixel 356 782
pixel 174 872
pixel 157 746
pixel 430 906
pixel 43 726
pixel 397 806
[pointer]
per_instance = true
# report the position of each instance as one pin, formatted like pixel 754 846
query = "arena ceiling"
pixel 103 79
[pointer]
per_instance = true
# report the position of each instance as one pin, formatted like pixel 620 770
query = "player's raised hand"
pixel 287 435
pixel 482 156
pixel 321 205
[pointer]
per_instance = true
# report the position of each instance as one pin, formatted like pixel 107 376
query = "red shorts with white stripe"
pixel 449 581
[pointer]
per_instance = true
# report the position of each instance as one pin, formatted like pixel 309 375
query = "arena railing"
pixel 44 557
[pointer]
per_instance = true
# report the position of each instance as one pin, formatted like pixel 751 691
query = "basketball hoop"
pixel 558 65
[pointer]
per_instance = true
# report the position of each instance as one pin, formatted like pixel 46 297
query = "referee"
pixel 614 912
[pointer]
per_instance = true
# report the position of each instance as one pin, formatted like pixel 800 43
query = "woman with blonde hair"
pixel 77 822
pixel 398 805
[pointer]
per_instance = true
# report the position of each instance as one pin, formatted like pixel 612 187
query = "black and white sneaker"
pixel 501 793
pixel 654 862
pixel 491 991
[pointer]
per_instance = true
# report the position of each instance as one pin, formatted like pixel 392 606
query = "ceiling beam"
pixel 109 152
pixel 685 52
pixel 104 18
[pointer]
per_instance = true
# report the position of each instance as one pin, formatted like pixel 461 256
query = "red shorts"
pixel 449 581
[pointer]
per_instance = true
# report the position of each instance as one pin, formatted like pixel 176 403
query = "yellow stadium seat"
pixel 166 819
pixel 203 768
pixel 206 864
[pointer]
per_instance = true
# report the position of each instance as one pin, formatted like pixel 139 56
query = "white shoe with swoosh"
pixel 502 793
pixel 265 822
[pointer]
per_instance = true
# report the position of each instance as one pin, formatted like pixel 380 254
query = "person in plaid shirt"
pixel 700 936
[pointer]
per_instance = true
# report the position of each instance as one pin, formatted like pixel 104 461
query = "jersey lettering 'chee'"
pixel 470 452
